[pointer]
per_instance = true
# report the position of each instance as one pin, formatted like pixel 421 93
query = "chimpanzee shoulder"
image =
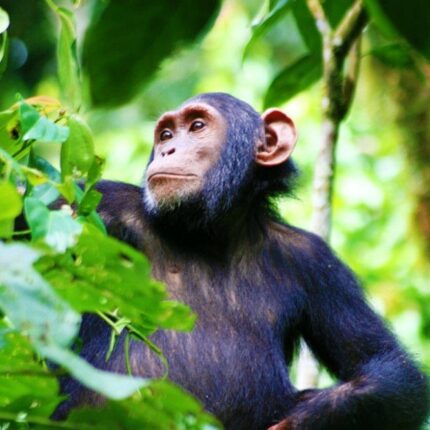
pixel 301 245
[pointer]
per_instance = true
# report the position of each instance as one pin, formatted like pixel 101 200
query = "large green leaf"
pixel 307 26
pixel 57 228
pixel 277 11
pixel 34 308
pixel 8 132
pixel 112 385
pixel 293 79
pixel 38 127
pixel 46 193
pixel 10 201
pixel 10 207
pixel 410 20
pixel 29 301
pixel 125 45
pixel 25 383
pixel 77 152
pixel 68 65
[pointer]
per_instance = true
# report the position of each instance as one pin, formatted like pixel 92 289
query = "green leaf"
pixel 28 116
pixel 294 78
pixel 4 20
pixel 46 131
pixel 277 12
pixel 10 201
pixel 6 228
pixel 67 189
pixel 77 152
pixel 29 301
pixel 34 176
pixel 25 383
pixel 336 10
pixel 57 228
pixel 37 215
pixel 95 172
pixel 63 230
pixel 394 55
pixel 126 44
pixel 89 202
pixel 38 127
pixel 32 306
pixel 10 208
pixel 45 167
pixel 411 21
pixel 67 59
pixel 160 406
pixel 46 193
pixel 111 385
pixel 101 274
pixel 4 45
pixel 9 165
pixel 307 27
pixel 8 142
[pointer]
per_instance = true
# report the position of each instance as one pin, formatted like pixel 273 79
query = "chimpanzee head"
pixel 216 154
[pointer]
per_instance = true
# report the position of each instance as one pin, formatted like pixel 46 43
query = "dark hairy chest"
pixel 247 322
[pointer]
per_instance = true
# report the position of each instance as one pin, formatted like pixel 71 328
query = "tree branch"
pixel 321 20
pixel 350 28
pixel 339 86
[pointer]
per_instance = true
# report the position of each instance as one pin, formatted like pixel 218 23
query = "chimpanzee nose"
pixel 169 151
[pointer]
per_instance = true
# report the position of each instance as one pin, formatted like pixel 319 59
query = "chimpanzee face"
pixel 215 152
pixel 187 143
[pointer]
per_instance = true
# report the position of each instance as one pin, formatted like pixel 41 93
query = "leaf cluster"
pixel 56 260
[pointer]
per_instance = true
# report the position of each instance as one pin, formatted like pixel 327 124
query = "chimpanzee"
pixel 205 218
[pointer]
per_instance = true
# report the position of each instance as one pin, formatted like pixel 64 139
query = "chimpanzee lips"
pixel 167 175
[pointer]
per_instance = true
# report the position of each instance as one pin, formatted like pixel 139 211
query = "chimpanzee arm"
pixel 121 211
pixel 380 388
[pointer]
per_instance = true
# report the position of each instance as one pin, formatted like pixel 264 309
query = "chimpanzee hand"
pixel 293 421
pixel 283 425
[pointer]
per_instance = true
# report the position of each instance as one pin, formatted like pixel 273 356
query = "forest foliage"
pixel 60 263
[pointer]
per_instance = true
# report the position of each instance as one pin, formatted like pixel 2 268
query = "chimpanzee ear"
pixel 280 138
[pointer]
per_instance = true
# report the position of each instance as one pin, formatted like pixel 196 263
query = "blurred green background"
pixel 381 221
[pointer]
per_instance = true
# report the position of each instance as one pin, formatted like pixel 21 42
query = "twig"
pixel 350 28
pixel 321 20
pixel 338 91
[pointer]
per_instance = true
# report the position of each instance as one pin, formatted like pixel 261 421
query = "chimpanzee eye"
pixel 166 134
pixel 197 125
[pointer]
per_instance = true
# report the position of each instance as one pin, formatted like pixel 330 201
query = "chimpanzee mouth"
pixel 167 175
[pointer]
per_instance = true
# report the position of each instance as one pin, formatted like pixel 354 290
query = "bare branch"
pixel 321 20
pixel 349 29
pixel 339 86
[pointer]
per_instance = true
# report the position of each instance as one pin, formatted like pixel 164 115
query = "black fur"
pixel 257 284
